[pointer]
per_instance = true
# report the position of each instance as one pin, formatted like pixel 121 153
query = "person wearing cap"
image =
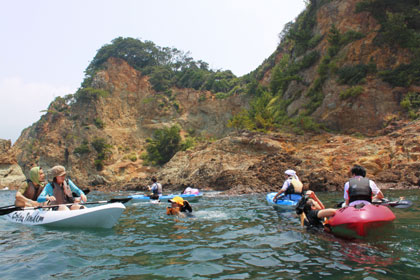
pixel 360 189
pixel 292 185
pixel 27 195
pixel 60 191
pixel 179 207
pixel 156 189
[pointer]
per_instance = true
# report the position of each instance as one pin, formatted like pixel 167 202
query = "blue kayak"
pixel 287 201
pixel 189 197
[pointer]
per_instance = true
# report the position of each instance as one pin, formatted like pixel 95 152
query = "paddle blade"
pixel 401 204
pixel 9 210
pixel 122 200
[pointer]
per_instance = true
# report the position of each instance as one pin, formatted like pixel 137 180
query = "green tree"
pixel 103 150
pixel 166 67
pixel 165 143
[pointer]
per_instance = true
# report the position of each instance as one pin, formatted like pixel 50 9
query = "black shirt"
pixel 313 219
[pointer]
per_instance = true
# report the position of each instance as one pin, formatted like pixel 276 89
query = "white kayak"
pixel 103 216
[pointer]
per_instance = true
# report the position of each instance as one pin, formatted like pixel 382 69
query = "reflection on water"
pixel 237 237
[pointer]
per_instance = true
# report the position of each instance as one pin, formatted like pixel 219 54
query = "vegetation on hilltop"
pixel 166 67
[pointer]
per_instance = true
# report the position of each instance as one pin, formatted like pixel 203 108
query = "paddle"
pixel 401 203
pixel 7 206
pixel 12 209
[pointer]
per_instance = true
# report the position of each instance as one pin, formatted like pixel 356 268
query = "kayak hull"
pixel 103 216
pixel 359 222
pixel 165 198
pixel 284 201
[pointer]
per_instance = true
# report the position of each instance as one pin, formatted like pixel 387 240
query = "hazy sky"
pixel 47 44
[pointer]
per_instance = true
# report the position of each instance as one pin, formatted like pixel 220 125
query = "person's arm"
pixel 376 191
pixel 379 195
pixel 347 202
pixel 324 213
pixel 78 191
pixel 283 189
pixel 302 219
pixel 277 195
pixel 46 194
pixel 312 195
pixel 22 201
pixel 346 193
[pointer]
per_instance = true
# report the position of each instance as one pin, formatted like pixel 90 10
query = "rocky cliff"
pixel 334 67
pixel 329 68
pixel 11 175
pixel 121 121
pixel 250 162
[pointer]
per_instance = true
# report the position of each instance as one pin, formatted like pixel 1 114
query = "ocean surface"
pixel 230 237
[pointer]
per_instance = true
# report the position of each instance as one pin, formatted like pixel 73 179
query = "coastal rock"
pixel 250 163
pixel 119 124
pixel 11 175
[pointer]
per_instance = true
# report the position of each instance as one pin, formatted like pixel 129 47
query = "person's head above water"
pixel 177 200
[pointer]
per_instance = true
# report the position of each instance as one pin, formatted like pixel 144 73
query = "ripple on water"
pixel 230 237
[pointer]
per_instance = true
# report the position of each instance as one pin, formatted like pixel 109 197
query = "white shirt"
pixel 158 187
pixel 286 184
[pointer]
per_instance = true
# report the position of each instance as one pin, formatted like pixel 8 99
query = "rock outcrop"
pixel 11 175
pixel 376 103
pixel 119 123
pixel 100 132
pixel 248 162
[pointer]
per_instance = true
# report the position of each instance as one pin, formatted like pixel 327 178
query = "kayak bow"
pixel 103 216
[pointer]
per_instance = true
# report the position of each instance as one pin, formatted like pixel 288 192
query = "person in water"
pixel 179 207
pixel 313 211
pixel 292 185
pixel 60 191
pixel 156 189
pixel 359 188
pixel 27 195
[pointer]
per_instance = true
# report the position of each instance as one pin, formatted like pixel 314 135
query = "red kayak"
pixel 358 221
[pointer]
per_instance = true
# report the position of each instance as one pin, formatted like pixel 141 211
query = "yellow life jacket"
pixel 295 187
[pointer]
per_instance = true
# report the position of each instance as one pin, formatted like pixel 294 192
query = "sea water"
pixel 229 237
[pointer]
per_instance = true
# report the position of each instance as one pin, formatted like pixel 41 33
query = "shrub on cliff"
pixel 82 149
pixel 164 144
pixel 351 92
pixel 411 103
pixel 352 74
pixel 89 94
pixel 103 150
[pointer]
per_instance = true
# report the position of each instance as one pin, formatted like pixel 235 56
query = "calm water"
pixel 230 238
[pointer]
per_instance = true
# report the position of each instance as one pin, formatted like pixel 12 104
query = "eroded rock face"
pixel 248 163
pixel 123 120
pixel 378 101
pixel 11 175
